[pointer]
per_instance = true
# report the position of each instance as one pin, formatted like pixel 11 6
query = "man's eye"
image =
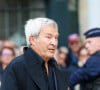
pixel 48 37
pixel 56 38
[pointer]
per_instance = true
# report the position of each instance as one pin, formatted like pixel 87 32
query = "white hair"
pixel 33 26
pixel 64 49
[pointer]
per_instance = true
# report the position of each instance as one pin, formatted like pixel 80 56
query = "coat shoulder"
pixel 93 60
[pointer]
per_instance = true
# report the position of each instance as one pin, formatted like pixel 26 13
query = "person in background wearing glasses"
pixel 7 54
pixel 36 68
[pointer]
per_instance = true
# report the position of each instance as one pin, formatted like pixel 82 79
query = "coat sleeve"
pixel 9 81
pixel 87 73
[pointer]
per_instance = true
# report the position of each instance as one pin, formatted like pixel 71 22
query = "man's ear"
pixel 32 40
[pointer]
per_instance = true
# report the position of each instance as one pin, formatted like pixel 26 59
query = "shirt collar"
pixel 39 58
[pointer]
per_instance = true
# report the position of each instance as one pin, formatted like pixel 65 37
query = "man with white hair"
pixel 36 69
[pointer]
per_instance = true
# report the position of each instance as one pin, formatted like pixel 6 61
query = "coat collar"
pixel 33 63
pixel 34 68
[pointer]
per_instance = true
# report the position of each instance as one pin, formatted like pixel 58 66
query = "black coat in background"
pixel 25 73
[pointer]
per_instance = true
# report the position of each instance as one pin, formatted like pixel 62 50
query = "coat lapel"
pixel 34 69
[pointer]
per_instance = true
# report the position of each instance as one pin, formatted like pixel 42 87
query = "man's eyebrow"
pixel 49 34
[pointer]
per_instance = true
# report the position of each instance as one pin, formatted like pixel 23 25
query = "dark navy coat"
pixel 88 73
pixel 25 73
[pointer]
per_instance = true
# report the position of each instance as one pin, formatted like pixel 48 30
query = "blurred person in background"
pixel 8 43
pixel 83 55
pixel 62 57
pixel 74 44
pixel 7 54
pixel 89 74
pixel 36 69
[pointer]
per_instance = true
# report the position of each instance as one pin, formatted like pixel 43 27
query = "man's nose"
pixel 54 41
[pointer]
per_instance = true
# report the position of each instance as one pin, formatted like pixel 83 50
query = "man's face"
pixel 47 41
pixel 92 44
pixel 75 46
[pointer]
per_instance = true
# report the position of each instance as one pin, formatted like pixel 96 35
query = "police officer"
pixel 89 74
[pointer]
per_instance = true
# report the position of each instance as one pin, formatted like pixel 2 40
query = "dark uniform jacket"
pixel 26 73
pixel 89 74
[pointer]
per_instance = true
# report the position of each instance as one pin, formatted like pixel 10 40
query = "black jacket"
pixel 25 73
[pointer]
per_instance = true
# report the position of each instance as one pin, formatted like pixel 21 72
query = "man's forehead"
pixel 93 39
pixel 49 30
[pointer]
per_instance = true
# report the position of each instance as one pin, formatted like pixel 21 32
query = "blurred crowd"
pixel 73 56
pixel 8 51
pixel 69 58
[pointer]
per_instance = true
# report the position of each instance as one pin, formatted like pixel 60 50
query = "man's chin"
pixel 91 53
pixel 51 56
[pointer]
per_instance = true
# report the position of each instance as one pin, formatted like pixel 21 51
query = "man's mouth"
pixel 52 50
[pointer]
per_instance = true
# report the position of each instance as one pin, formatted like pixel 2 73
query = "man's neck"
pixel 46 67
